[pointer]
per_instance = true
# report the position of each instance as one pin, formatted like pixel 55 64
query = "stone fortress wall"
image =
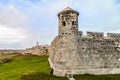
pixel 99 51
pixel 72 52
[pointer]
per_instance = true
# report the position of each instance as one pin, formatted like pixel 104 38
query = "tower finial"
pixel 37 43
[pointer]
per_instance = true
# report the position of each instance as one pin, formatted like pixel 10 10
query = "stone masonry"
pixel 72 52
pixel 41 50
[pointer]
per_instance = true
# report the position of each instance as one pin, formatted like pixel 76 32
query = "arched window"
pixel 73 23
pixel 63 23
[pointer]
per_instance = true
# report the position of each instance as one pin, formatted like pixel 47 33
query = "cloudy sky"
pixel 24 22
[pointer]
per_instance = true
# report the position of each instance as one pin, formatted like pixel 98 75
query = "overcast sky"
pixel 24 22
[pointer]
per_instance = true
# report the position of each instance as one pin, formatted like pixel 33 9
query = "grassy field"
pixel 23 65
pixel 31 67
pixel 7 56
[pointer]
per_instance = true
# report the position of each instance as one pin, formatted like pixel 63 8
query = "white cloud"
pixel 15 38
pixel 13 31
pixel 11 16
pixel 99 15
pixel 39 20
pixel 11 35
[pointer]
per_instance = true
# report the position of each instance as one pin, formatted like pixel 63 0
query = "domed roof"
pixel 66 10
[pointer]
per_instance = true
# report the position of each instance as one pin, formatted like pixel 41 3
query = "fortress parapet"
pixel 114 35
pixel 95 35
pixel 100 35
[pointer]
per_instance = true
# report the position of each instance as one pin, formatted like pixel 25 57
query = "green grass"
pixel 7 56
pixel 23 65
pixel 97 77
pixel 31 67
pixel 41 76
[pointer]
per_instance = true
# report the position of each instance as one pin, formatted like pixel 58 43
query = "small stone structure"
pixel 91 54
pixel 41 50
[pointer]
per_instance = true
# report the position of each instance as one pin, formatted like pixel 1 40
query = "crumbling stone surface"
pixel 92 54
pixel 41 50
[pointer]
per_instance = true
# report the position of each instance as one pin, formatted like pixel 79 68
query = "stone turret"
pixel 64 54
pixel 68 21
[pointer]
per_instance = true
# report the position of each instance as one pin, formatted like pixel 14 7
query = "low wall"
pixel 103 71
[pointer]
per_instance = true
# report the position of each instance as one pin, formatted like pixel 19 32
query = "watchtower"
pixel 68 21
pixel 64 54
